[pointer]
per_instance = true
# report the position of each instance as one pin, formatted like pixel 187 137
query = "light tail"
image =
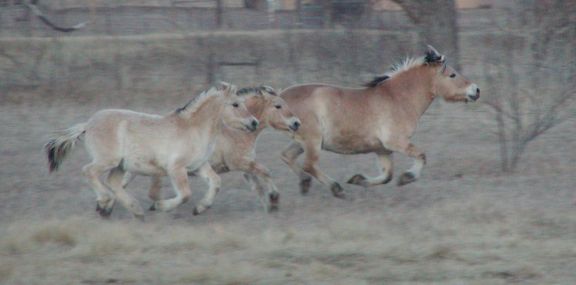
pixel 60 145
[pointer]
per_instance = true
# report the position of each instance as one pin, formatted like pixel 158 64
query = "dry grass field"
pixel 464 222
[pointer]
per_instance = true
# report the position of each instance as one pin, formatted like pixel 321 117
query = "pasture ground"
pixel 464 222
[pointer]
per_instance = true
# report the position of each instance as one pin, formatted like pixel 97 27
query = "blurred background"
pixel 494 205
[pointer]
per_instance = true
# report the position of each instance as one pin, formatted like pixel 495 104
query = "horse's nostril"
pixel 295 125
pixel 477 90
pixel 254 123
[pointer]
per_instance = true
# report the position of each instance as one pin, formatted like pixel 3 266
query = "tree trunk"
pixel 436 22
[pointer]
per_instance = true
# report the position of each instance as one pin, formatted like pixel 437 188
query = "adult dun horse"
pixel 235 149
pixel 122 140
pixel 379 119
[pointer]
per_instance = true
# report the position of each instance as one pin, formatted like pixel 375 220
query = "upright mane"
pixel 396 68
pixel 248 90
pixel 197 101
pixel 256 89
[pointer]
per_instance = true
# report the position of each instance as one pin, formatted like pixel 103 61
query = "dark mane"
pixel 194 100
pixel 376 81
pixel 248 90
pixel 257 89
pixel 183 108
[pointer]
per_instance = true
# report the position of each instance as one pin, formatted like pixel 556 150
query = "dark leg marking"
pixel 104 213
pixel 305 185
pixel 357 179
pixel 274 201
pixel 337 191
pixel 407 177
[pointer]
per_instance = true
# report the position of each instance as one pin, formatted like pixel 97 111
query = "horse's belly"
pixel 352 145
pixel 143 167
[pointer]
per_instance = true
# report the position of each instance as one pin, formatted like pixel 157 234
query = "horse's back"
pixel 344 119
pixel 111 114
pixel 311 99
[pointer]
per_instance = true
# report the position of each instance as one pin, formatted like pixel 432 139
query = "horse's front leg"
pixel 312 155
pixel 255 174
pixel 179 179
pixel 385 160
pixel 289 156
pixel 213 180
pixel 407 148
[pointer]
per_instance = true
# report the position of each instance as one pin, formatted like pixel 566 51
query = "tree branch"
pixel 31 5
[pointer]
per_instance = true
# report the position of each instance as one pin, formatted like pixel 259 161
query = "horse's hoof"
pixel 388 179
pixel 273 208
pixel 357 179
pixel 407 177
pixel 140 218
pixel 274 201
pixel 152 207
pixel 337 191
pixel 102 211
pixel 305 185
pixel 200 209
pixel 274 198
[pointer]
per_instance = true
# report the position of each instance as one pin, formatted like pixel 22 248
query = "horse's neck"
pixel 206 118
pixel 255 106
pixel 413 94
pixel 236 133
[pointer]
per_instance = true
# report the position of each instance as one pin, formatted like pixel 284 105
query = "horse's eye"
pixel 235 105
pixel 278 107
pixel 452 75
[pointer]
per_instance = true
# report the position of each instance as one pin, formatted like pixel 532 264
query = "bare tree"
pixel 20 70
pixel 532 90
pixel 32 5
pixel 436 22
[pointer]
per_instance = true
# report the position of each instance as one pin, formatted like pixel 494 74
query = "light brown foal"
pixel 379 119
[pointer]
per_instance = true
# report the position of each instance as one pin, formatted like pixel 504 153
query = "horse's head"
pixel 276 112
pixel 235 113
pixel 447 82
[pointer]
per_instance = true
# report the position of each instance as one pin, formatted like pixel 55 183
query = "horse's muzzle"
pixel 253 125
pixel 473 93
pixel 294 126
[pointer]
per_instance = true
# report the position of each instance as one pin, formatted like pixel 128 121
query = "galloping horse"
pixel 380 118
pixel 122 140
pixel 235 149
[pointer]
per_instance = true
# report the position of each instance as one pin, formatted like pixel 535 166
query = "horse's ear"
pixel 228 88
pixel 433 56
pixel 223 86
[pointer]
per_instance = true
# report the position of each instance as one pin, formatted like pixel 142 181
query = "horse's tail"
pixel 60 145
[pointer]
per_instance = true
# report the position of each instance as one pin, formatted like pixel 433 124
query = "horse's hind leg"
pixel 385 159
pixel 116 183
pixel 214 183
pixel 104 199
pixel 312 154
pixel 289 156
